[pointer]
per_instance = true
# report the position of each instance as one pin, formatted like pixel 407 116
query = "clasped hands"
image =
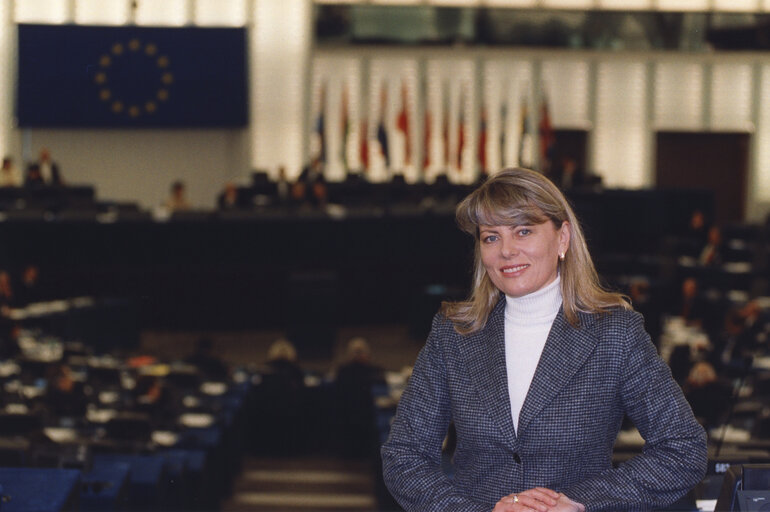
pixel 538 499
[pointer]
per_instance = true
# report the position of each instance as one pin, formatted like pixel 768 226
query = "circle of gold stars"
pixel 118 105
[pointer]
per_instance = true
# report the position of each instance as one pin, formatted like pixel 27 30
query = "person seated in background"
pixel 33 178
pixel 281 403
pixel 708 395
pixel 7 297
pixel 354 409
pixel 177 200
pixel 9 174
pixel 49 170
pixel 282 362
pixel 747 330
pixel 568 175
pixel 320 194
pixel 314 192
pixel 65 396
pixel 152 396
pixel 229 198
pixel 711 254
pixel 28 289
pixel 283 186
pixel 207 362
pixel 691 307
pixel 358 367
pixel 9 339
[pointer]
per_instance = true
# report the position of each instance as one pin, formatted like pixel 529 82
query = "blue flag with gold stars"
pixel 94 76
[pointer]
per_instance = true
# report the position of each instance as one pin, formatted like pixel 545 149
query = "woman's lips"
pixel 513 269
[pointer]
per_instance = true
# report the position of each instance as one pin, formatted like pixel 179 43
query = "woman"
pixel 536 370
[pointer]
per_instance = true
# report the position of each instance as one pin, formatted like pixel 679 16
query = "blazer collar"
pixel 484 353
pixel 565 351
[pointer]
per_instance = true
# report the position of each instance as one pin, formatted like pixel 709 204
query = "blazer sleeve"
pixel 674 457
pixel 411 456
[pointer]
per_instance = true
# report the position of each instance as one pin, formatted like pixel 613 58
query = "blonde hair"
pixel 515 197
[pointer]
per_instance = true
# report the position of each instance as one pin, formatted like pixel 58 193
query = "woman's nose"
pixel 509 248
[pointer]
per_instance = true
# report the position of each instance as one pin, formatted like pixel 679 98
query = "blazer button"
pixel 516 458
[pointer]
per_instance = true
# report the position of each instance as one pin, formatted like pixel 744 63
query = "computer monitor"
pixel 730 485
pixel 746 487
pixel 756 477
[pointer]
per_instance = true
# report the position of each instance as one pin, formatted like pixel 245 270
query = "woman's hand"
pixel 538 499
pixel 567 505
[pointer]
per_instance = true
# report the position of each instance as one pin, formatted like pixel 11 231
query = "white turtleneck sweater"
pixel 528 321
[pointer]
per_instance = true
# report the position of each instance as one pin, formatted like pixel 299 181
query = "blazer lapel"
pixel 565 351
pixel 484 353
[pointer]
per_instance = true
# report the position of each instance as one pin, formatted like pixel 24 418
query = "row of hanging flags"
pixel 533 148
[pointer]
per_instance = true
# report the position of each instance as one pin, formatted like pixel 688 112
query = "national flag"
pixel 345 128
pixel 503 130
pixel 382 132
pixel 364 145
pixel 426 143
pixel 445 129
pixel 131 76
pixel 483 140
pixel 382 138
pixel 461 130
pixel 320 127
pixel 526 142
pixel 547 137
pixel 403 123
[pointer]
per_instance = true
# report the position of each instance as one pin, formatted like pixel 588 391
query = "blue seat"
pixel 105 486
pixel 148 484
pixel 39 489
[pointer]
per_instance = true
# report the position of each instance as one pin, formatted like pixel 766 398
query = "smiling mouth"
pixel 513 270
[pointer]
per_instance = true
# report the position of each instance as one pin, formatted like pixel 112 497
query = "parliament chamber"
pixel 242 343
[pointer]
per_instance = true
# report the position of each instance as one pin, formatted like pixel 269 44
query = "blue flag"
pixel 93 76
pixel 382 137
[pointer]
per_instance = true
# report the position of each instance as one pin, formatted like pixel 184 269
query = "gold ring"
pixel 515 499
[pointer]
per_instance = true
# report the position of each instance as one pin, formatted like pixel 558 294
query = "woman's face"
pixel 522 259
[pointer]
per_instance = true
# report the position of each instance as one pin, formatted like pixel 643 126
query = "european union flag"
pixel 92 76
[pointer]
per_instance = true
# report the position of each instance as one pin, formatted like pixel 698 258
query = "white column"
pixel 7 83
pixel 279 60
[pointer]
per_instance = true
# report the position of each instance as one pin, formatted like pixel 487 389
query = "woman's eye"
pixel 490 238
pixel 524 232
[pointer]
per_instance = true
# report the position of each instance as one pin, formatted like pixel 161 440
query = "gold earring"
pixel 561 256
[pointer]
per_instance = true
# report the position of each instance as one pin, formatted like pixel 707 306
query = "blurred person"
pixel 711 254
pixel 281 403
pixel 33 177
pixel 708 395
pixel 354 410
pixel 697 227
pixel 28 289
pixel 207 361
pixel 229 198
pixel 9 174
pixel 537 370
pixel 748 330
pixel 49 170
pixel 283 186
pixel 65 396
pixel 691 306
pixel 282 361
pixel 568 175
pixel 7 297
pixel 177 200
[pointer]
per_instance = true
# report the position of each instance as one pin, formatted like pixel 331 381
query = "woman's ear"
pixel 565 233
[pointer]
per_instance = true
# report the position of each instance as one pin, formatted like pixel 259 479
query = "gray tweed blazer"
pixel 586 380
